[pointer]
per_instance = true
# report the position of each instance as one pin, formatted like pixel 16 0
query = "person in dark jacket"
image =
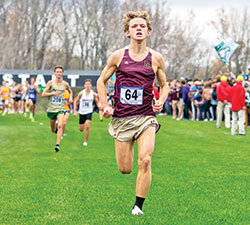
pixel 185 96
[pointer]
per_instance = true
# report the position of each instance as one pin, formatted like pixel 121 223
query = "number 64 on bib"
pixel 131 95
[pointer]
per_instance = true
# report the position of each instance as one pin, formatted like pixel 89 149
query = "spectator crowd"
pixel 226 97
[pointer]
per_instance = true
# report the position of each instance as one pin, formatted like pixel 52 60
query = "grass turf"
pixel 201 175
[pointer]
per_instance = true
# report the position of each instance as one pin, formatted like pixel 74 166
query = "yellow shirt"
pixel 66 100
pixel 5 93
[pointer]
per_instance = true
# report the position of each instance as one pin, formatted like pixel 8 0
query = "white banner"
pixel 74 78
pixel 225 49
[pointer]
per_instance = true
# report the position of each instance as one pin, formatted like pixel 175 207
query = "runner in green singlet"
pixel 55 90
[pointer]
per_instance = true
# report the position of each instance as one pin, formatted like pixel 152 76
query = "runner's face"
pixel 32 81
pixel 87 85
pixel 138 29
pixel 58 73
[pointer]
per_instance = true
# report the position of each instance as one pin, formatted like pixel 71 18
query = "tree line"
pixel 38 34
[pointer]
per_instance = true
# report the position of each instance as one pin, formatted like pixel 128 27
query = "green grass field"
pixel 201 175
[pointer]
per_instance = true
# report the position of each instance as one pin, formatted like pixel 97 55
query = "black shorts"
pixel 83 118
pixel 17 99
pixel 33 100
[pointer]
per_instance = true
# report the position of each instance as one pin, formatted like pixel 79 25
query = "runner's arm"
pixel 107 72
pixel 70 92
pixel 46 92
pixel 164 89
pixel 37 90
pixel 75 101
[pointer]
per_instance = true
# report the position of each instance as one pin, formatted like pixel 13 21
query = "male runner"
pixel 55 90
pixel 5 95
pixel 32 91
pixel 25 98
pixel 134 113
pixel 85 98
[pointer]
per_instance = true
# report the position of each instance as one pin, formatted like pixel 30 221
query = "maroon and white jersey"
pixel 134 87
pixel 86 102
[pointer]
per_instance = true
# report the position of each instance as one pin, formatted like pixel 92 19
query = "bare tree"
pixel 65 31
pixel 235 24
pixel 96 22
pixel 83 25
pixel 184 48
pixel 28 30
pixel 43 33
pixel 4 27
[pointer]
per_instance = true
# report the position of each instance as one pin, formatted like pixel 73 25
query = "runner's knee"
pixel 125 170
pixel 144 163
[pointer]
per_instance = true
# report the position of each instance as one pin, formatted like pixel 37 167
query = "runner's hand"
pixel 57 93
pixel 157 106
pixel 108 111
pixel 99 105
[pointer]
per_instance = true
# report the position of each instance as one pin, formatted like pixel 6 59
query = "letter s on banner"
pixel 8 78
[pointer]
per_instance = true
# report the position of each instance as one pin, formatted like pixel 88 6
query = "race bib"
pixel 56 100
pixel 86 103
pixel 32 96
pixel 131 95
pixel 5 94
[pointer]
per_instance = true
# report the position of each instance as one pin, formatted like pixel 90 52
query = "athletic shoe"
pixel 137 211
pixel 31 115
pixel 57 148
pixel 32 120
pixel 25 114
pixel 85 143
pixel 205 120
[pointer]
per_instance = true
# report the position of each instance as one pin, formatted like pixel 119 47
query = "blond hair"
pixel 139 14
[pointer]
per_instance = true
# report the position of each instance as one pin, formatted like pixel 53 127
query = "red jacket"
pixel 237 97
pixel 223 91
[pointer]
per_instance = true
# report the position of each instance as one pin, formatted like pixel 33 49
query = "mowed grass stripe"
pixel 200 175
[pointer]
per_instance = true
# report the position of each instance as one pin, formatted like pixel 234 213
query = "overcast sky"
pixel 208 3
pixel 205 11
